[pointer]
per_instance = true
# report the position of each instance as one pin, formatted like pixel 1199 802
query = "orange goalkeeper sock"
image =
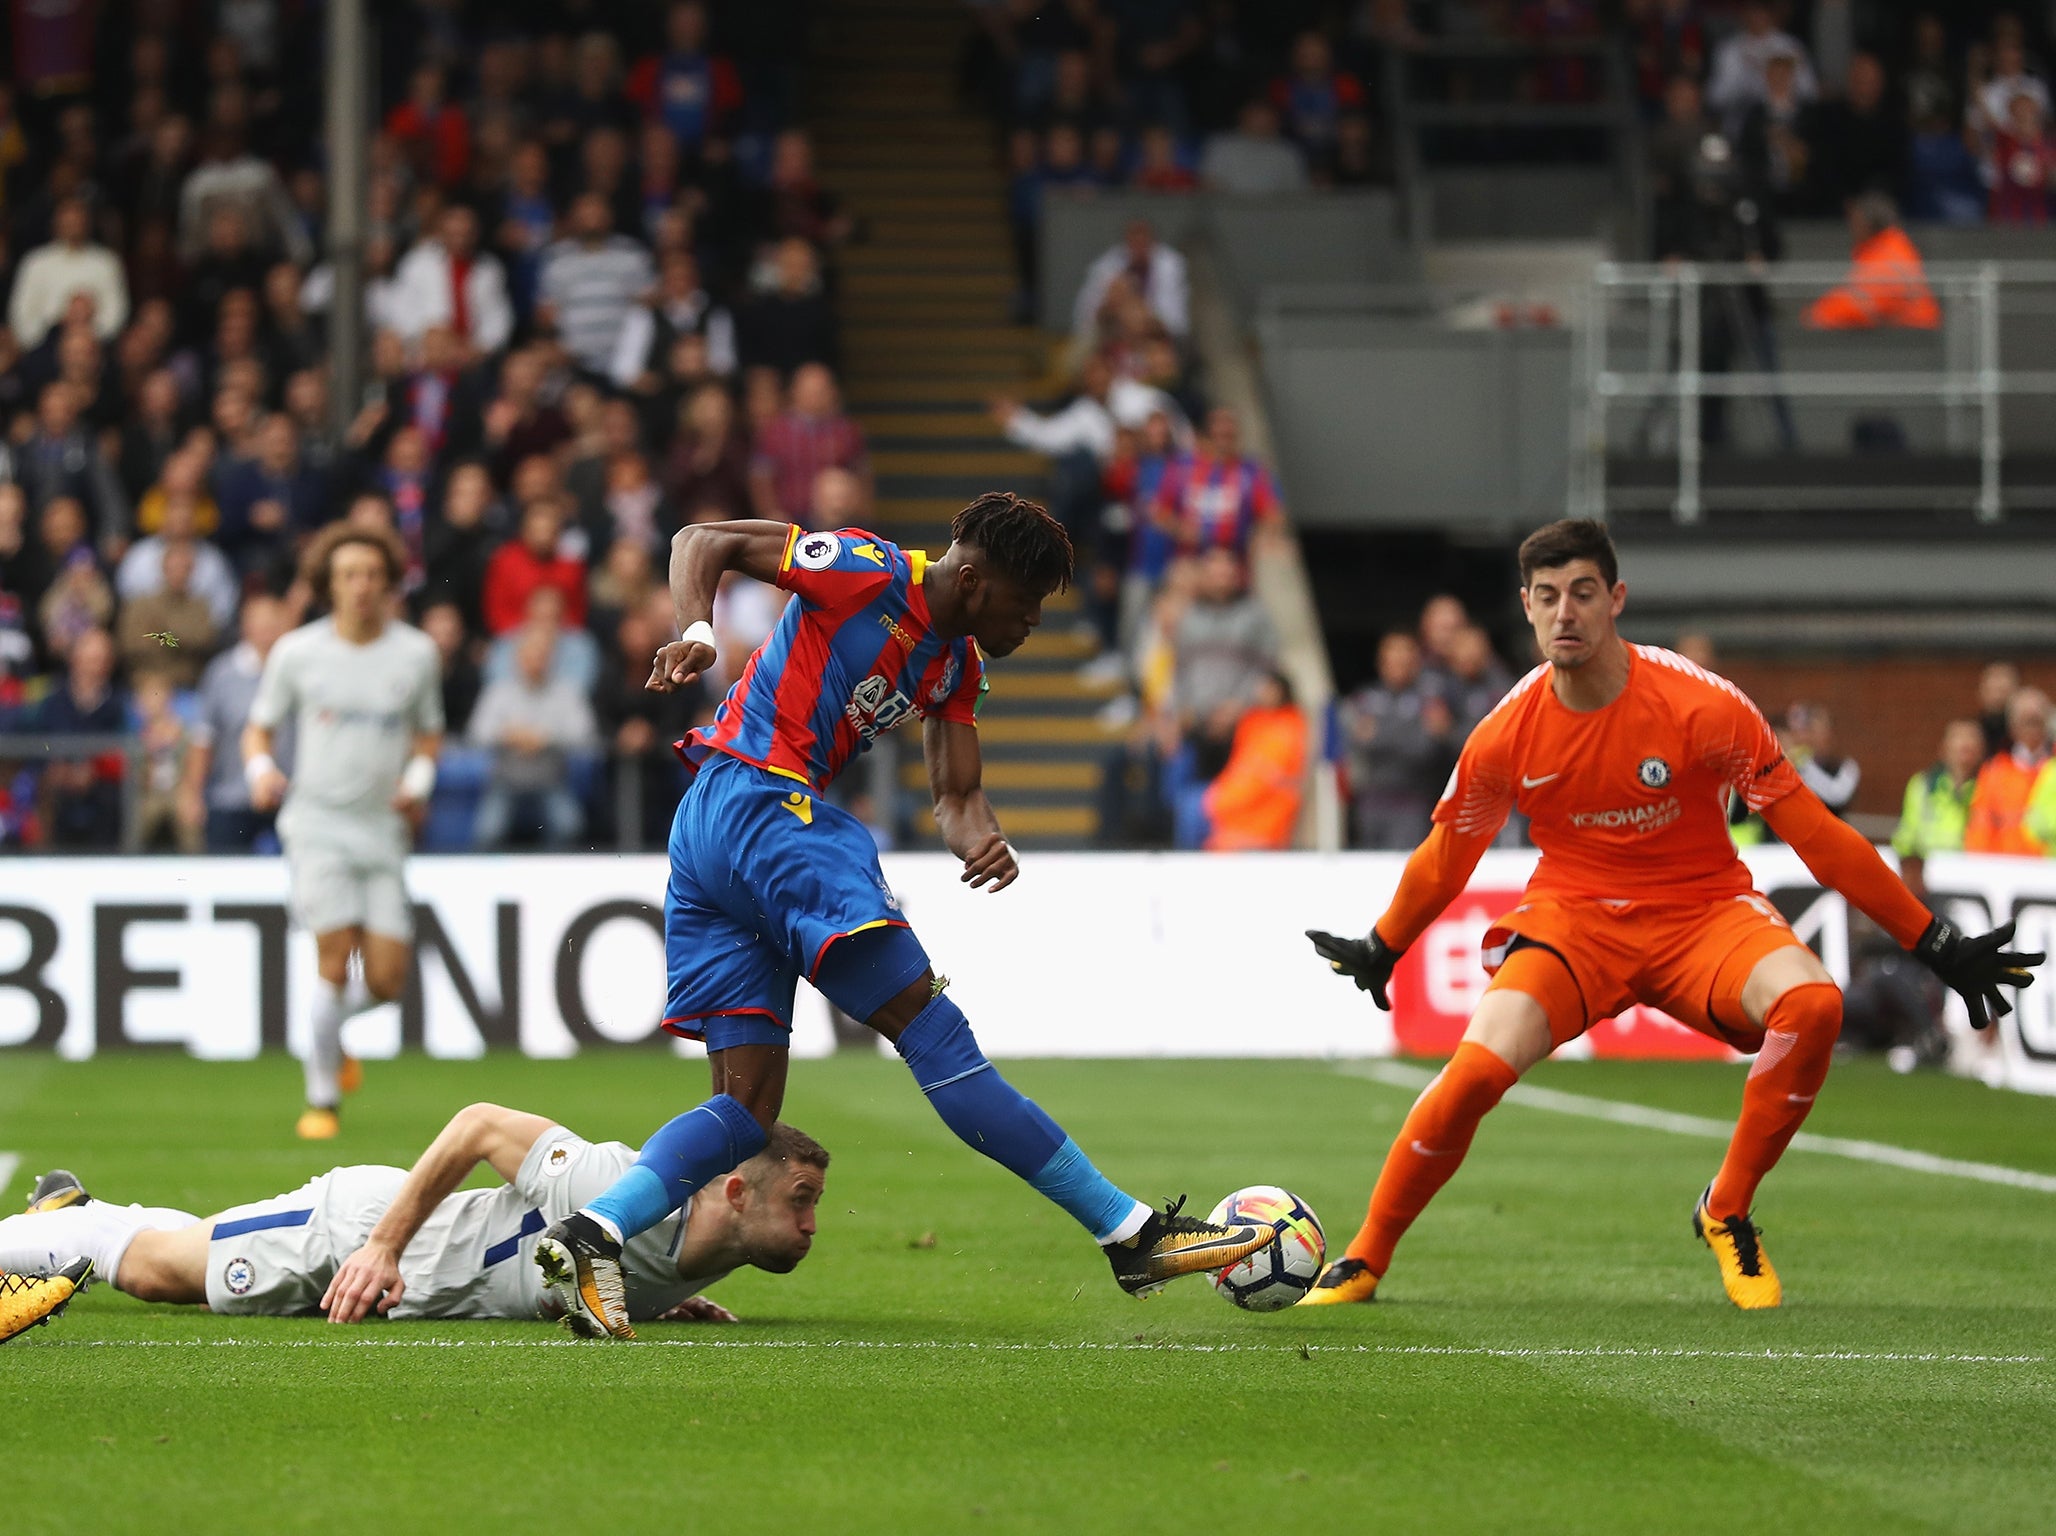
pixel 1798 1041
pixel 1429 1148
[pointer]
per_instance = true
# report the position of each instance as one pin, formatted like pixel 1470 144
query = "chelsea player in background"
pixel 770 883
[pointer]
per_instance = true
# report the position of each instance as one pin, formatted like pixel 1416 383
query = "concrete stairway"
pixel 926 340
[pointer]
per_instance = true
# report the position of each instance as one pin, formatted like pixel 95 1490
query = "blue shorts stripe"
pixel 224 1229
pixel 531 1224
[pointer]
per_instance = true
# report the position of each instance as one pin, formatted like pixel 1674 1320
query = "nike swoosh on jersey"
pixel 1528 783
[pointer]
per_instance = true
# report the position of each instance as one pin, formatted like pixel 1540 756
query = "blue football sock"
pixel 701 1144
pixel 992 1117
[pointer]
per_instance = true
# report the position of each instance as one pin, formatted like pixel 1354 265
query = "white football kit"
pixel 356 710
pixel 474 1257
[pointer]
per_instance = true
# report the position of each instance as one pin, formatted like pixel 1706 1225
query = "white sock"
pixel 357 998
pixel 601 1222
pixel 1129 1227
pixel 42 1242
pixel 324 1064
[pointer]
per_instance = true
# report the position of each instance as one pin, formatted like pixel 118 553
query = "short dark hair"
pixel 1020 539
pixel 787 1144
pixel 1568 539
pixel 314 567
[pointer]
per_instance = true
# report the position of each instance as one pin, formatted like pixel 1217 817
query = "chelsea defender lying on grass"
pixel 770 883
pixel 410 1244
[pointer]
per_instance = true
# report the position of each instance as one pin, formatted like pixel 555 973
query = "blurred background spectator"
pixel 533 723
pixel 1828 772
pixel 1402 742
pixel 1998 805
pixel 1935 815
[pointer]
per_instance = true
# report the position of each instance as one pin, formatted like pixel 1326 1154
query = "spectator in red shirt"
pixel 434 132
pixel 809 436
pixel 530 561
pixel 1214 498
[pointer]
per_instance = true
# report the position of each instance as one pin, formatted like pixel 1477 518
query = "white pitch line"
pixel 1397 1075
pixel 1565 1352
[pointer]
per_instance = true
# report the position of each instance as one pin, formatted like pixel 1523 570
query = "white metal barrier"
pixel 1639 349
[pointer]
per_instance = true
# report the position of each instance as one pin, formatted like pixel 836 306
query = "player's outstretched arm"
pixel 701 554
pixel 478 1133
pixel 970 829
pixel 1435 876
pixel 1842 859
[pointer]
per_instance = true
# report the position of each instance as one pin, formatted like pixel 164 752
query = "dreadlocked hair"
pixel 1019 537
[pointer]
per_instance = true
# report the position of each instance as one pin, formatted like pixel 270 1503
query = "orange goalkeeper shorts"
pixel 1588 960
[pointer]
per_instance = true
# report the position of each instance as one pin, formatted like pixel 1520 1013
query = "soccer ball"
pixel 1272 1278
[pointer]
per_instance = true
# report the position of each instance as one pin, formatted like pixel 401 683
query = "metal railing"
pixel 1659 363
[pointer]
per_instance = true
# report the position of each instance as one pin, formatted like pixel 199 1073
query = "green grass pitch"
pixel 1554 1353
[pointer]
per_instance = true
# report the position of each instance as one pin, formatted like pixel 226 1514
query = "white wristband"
pixel 257 767
pixel 700 632
pixel 417 779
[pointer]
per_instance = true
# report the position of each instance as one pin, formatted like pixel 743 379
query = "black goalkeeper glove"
pixel 1975 968
pixel 1367 961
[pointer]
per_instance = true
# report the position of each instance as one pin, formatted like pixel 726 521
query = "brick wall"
pixel 1888 711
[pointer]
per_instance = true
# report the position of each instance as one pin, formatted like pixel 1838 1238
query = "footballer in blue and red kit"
pixel 855 654
pixel 769 882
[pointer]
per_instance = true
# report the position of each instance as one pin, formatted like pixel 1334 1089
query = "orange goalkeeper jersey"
pixel 1629 800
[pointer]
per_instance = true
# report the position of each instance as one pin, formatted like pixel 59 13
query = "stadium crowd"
pixel 600 291
pixel 1942 109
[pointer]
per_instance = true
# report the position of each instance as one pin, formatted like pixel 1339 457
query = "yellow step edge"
pixel 1051 730
pixel 1053 645
pixel 1045 731
pixel 946 334
pixel 886 388
pixel 998 283
pixel 1048 685
pixel 907 313
pixel 958 462
pixel 925 423
pixel 1004 372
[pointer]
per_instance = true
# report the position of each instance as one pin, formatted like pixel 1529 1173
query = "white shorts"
pixel 334 889
pixel 275 1258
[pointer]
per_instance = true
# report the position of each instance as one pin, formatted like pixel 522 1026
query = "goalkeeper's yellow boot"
pixel 1751 1283
pixel 1346 1280
pixel 318 1124
pixel 1170 1245
pixel 351 1076
pixel 28 1300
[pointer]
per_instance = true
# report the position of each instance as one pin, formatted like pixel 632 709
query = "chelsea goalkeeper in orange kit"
pixel 1623 758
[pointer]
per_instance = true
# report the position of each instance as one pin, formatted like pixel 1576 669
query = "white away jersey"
pixel 356 710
